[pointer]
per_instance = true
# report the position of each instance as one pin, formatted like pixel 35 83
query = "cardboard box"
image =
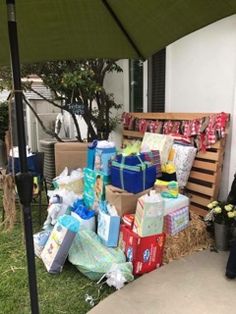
pixel 124 202
pixel 70 154
pixel 144 253
pixel 176 221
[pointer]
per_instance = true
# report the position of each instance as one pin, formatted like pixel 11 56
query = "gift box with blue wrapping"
pixel 133 179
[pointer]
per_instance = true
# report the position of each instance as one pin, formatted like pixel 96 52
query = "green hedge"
pixel 3 119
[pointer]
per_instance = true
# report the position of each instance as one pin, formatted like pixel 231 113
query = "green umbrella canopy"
pixel 67 29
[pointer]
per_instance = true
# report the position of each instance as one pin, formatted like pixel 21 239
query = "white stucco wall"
pixel 201 77
pixel 118 85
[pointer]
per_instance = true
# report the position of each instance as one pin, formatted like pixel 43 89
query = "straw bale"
pixel 194 238
pixel 9 201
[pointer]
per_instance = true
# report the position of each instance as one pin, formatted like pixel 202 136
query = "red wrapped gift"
pixel 145 253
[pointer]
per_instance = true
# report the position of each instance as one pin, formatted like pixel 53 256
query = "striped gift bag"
pixel 154 157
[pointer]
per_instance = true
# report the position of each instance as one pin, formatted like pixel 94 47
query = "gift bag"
pixel 149 215
pixel 154 157
pixel 85 216
pixel 91 257
pixel 57 247
pixel 163 143
pixel 183 160
pixel 40 240
pixel 108 225
pixel 71 182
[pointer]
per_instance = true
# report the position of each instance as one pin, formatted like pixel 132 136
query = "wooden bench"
pixel 204 180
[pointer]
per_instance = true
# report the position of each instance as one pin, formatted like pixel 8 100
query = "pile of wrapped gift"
pixel 111 218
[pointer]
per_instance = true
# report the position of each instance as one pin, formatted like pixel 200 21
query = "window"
pixel 136 85
pixel 148 79
pixel 156 82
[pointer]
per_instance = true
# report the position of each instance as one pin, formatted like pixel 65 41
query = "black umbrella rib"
pixel 124 31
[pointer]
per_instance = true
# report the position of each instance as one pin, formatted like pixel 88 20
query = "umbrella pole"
pixel 24 179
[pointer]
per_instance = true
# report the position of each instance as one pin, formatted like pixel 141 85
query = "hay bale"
pixel 9 201
pixel 194 238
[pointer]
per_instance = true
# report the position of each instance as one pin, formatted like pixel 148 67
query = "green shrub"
pixel 3 119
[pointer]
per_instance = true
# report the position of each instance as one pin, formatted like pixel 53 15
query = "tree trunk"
pixel 77 128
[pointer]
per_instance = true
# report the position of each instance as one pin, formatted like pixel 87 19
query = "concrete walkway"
pixel 193 285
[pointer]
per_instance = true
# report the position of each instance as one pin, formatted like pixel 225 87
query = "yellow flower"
pixel 212 204
pixel 230 214
pixel 229 207
pixel 217 210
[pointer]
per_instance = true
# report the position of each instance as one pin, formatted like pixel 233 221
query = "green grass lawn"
pixel 62 293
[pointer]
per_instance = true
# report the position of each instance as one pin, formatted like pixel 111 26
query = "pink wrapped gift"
pixel 176 221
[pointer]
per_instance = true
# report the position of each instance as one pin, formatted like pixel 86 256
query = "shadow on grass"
pixel 62 293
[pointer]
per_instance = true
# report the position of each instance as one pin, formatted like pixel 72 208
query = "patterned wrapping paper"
pixel 163 143
pixel 176 221
pixel 154 157
pixel 183 160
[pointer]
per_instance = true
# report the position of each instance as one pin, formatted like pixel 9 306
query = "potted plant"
pixel 223 216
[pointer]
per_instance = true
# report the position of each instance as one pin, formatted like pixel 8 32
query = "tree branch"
pixel 53 134
pixel 77 128
pixel 106 69
pixel 44 98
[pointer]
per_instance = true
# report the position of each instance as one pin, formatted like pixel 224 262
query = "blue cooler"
pixel 133 179
pixel 130 160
